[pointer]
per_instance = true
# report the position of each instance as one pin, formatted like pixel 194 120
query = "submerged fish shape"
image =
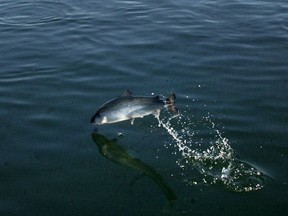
pixel 127 107
pixel 117 154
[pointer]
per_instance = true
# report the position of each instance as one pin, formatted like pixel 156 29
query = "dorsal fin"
pixel 126 93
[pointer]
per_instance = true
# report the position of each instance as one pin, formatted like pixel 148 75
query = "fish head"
pixel 99 119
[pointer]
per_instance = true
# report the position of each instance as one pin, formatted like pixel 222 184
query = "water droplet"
pixel 120 135
pixel 217 163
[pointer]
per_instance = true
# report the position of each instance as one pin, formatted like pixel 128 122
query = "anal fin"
pixel 132 121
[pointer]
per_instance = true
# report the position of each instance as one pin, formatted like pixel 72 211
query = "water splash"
pixel 217 163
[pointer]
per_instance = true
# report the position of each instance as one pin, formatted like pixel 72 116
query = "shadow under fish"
pixel 117 154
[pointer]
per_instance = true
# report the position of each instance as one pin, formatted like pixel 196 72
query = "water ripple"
pixel 30 13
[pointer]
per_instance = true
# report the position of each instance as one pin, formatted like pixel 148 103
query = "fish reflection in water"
pixel 117 154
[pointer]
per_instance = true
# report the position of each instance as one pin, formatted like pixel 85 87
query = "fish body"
pixel 127 107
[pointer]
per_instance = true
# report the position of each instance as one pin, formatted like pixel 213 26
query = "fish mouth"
pixel 92 120
pixel 94 117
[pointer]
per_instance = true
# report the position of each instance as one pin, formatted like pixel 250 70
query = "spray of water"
pixel 217 163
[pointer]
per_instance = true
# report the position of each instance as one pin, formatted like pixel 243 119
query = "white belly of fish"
pixel 129 112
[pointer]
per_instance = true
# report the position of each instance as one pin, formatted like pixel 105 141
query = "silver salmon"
pixel 130 107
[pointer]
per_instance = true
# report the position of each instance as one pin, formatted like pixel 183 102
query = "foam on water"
pixel 217 163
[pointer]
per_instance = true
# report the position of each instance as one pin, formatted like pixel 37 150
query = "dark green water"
pixel 226 61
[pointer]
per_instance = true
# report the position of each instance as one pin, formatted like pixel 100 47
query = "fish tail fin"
pixel 170 102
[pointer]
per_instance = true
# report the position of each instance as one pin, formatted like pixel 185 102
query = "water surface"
pixel 225 60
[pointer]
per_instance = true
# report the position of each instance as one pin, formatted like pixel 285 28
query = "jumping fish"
pixel 127 107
